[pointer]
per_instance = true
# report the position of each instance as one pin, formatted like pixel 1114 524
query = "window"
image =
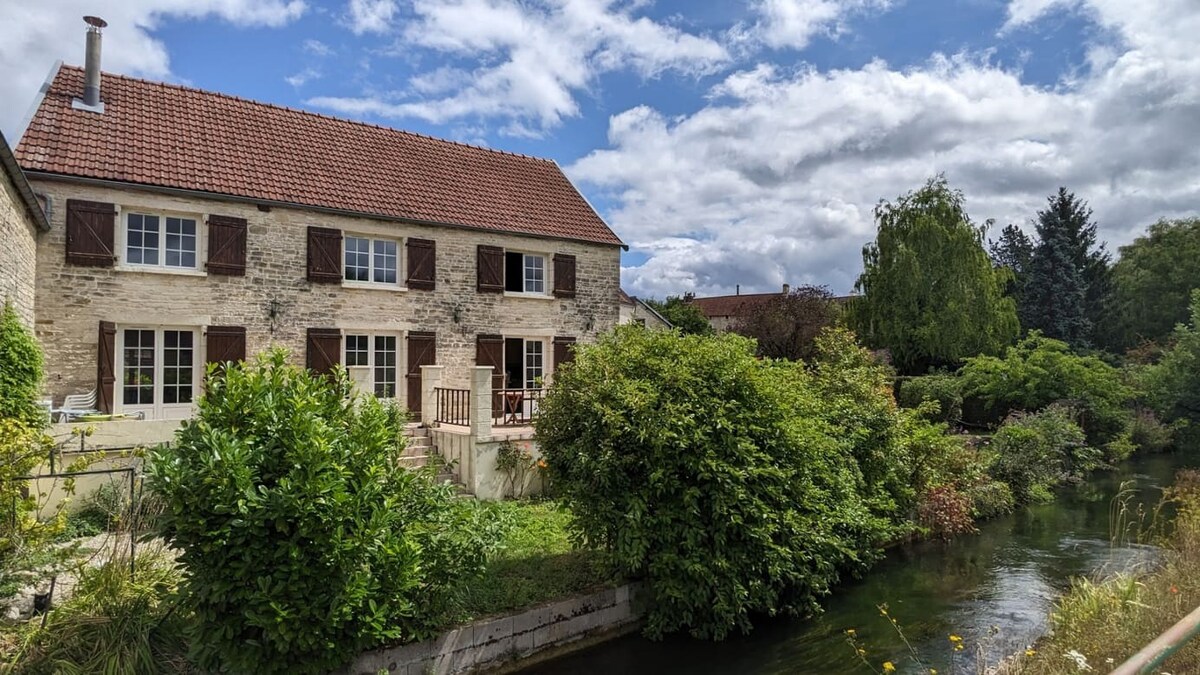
pixel 158 371
pixel 153 240
pixel 372 260
pixel 533 364
pixel 524 363
pixel 371 360
pixel 524 272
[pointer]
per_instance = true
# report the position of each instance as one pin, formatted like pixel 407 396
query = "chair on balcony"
pixel 75 405
pixel 514 402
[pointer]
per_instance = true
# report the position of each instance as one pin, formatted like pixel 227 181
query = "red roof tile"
pixel 170 136
pixel 732 305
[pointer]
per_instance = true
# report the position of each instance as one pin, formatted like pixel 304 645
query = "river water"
pixel 994 589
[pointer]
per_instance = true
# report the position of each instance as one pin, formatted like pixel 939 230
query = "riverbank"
pixel 1103 623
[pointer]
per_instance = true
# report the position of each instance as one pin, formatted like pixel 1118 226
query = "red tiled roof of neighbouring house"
pixel 170 136
pixel 732 305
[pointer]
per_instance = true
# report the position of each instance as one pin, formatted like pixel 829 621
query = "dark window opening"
pixel 514 363
pixel 514 272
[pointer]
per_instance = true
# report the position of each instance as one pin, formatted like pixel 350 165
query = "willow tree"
pixel 929 293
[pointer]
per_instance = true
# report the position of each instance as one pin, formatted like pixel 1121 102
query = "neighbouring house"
pixel 21 221
pixel 190 226
pixel 636 310
pixel 724 312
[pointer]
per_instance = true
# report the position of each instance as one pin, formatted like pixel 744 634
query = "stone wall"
pixel 513 641
pixel 72 300
pixel 18 252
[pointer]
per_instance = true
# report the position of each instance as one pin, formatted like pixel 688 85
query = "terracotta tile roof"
pixel 12 171
pixel 170 136
pixel 732 305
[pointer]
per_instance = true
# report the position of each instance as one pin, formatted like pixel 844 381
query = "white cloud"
pixel 793 23
pixel 317 48
pixel 774 180
pixel 34 35
pixel 532 59
pixel 370 16
pixel 303 77
pixel 1022 12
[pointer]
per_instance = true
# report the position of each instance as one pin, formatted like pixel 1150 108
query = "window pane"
pixel 180 242
pixel 385 366
pixel 141 239
pixel 137 367
pixel 356 351
pixel 177 368
pixel 385 261
pixel 358 259
pixel 533 364
pixel 535 274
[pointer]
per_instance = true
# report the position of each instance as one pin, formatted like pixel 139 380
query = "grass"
pixel 536 562
pixel 1106 622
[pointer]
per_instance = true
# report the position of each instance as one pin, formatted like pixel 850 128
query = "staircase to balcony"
pixel 421 452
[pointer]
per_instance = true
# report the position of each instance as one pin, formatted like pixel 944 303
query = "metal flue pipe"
pixel 91 65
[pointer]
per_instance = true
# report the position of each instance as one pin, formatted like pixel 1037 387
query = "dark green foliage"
pixel 1173 384
pixel 1014 251
pixel 683 315
pixel 990 498
pixel 1066 293
pixel 1148 434
pixel 1036 451
pixel 20 371
pixel 1153 279
pixel 944 390
pixel 732 485
pixel 301 541
pixel 931 296
pixel 1039 371
pixel 787 326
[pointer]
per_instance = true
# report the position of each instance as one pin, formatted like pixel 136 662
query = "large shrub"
pixel 943 390
pixel 1173 384
pixel 1034 452
pixel 732 485
pixel 1039 371
pixel 20 370
pixel 300 539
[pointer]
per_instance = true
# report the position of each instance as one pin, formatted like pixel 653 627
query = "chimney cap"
pixel 95 22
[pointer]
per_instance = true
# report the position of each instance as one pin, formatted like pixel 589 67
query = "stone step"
pixel 417 451
pixel 420 442
pixel 415 461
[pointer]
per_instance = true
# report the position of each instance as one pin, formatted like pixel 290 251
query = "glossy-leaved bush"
pixel 733 486
pixel 301 539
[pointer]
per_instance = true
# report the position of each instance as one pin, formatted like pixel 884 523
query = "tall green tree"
pixel 1153 279
pixel 1014 251
pixel 930 295
pixel 1068 286
pixel 682 314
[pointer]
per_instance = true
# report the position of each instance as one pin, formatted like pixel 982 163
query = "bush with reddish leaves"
pixel 945 512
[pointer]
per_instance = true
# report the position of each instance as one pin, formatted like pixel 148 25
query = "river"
pixel 1002 580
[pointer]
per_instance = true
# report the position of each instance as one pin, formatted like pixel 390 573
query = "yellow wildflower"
pixel 888 667
pixel 1030 652
pixel 851 632
pixel 955 639
pixel 862 652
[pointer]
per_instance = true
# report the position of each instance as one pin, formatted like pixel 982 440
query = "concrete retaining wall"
pixel 490 644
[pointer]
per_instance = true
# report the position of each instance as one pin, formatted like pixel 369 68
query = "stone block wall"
pixel 18 251
pixel 276 303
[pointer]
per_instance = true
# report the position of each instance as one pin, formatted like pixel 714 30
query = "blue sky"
pixel 729 143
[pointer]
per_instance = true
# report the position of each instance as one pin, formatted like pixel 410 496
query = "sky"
pixel 730 144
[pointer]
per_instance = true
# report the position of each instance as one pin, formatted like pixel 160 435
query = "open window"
pixel 524 272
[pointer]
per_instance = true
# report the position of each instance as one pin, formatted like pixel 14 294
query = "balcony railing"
pixel 515 407
pixel 453 406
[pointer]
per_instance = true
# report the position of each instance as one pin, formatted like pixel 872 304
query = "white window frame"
pixel 547 286
pixel 363 376
pixel 526 368
pixel 157 409
pixel 371 240
pixel 161 266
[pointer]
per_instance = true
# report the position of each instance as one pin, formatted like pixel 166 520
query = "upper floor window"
pixel 371 260
pixel 524 272
pixel 156 240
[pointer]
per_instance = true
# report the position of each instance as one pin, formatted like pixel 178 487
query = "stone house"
pixel 21 221
pixel 726 311
pixel 189 227
pixel 636 310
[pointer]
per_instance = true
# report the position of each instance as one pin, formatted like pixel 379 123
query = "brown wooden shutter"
pixel 422 267
pixel 489 351
pixel 90 228
pixel 225 343
pixel 226 245
pixel 324 255
pixel 106 367
pixel 564 275
pixel 422 351
pixel 324 349
pixel 490 267
pixel 564 351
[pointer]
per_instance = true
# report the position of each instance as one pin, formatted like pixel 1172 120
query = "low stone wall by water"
pixel 492 644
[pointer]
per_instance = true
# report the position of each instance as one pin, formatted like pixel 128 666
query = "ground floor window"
pixel 371 359
pixel 158 371
pixel 524 363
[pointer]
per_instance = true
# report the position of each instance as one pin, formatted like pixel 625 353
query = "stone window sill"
pixel 146 269
pixel 528 296
pixel 368 286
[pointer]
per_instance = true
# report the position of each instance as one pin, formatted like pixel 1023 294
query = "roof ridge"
pixel 302 111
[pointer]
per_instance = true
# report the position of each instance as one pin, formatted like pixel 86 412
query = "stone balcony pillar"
pixel 481 402
pixel 431 379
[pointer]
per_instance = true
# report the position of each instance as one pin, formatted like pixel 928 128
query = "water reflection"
pixel 1005 577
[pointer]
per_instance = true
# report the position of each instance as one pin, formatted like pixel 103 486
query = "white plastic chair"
pixel 75 405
